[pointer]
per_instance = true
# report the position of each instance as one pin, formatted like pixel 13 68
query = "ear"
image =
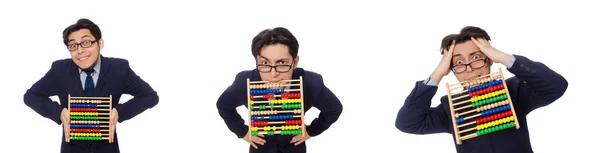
pixel 101 43
pixel 296 60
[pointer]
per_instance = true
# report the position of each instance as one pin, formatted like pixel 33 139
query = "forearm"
pixel 43 105
pixel 416 115
pixel 546 85
pixel 331 108
pixel 232 119
pixel 136 106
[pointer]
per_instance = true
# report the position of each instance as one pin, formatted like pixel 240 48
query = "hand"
pixel 114 117
pixel 255 139
pixel 444 66
pixel 299 138
pixel 491 52
pixel 65 119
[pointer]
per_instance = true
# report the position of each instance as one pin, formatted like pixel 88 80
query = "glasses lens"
pixel 478 64
pixel 264 68
pixel 282 68
pixel 459 68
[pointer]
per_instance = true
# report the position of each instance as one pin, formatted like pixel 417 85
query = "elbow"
pixel 27 99
pixel 153 100
pixel 404 127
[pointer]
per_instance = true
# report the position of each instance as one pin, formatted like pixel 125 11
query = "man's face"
pixel 468 53
pixel 276 55
pixel 87 52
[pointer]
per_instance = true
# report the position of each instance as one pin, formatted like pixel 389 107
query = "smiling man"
pixel 276 54
pixel 469 55
pixel 88 73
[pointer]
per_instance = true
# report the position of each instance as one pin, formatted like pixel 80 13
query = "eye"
pixel 72 45
pixel 281 63
pixel 459 62
pixel 476 57
pixel 87 42
pixel 264 63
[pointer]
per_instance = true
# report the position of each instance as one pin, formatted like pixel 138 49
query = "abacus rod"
pixel 89 102
pixel 268 101
pixel 461 108
pixel 106 98
pixel 512 108
pixel 473 116
pixel 467 130
pixel 295 116
pixel 88 115
pixel 463 125
pixel 454 88
pixel 467 112
pixel 473 135
pixel 103 138
pixel 460 103
pixel 99 109
pixel 276 128
pixel 88 122
pixel 275 96
pixel 103 134
pixel 266 86
pixel 249 111
pixel 458 141
pixel 254 82
pixel 463 96
pixel 101 130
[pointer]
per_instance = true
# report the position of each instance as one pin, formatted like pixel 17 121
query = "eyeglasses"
pixel 278 68
pixel 474 65
pixel 84 44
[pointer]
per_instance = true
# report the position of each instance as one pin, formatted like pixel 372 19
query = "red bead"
pixel 251 97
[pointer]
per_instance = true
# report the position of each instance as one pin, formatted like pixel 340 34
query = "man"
pixel 469 55
pixel 88 73
pixel 276 54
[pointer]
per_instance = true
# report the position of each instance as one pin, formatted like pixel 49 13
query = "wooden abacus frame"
pixel 463 86
pixel 105 126
pixel 267 84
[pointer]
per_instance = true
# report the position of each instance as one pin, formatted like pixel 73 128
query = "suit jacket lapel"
pixel 104 68
pixel 75 80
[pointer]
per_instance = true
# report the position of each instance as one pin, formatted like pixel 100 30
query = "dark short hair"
pixel 465 35
pixel 278 35
pixel 82 24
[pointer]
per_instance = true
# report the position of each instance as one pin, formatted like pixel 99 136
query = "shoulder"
pixel 243 75
pixel 312 77
pixel 119 62
pixel 62 63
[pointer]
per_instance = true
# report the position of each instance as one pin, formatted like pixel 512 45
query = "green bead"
pixel 254 133
pixel 272 106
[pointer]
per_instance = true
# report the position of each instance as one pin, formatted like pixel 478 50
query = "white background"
pixel 370 54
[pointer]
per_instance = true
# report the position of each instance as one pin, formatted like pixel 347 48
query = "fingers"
pixel 452 46
pixel 259 140
pixel 67 136
pixel 253 145
pixel 479 42
pixel 295 138
pixel 299 142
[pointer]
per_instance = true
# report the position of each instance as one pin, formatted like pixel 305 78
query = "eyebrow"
pixel 81 37
pixel 285 59
pixel 471 54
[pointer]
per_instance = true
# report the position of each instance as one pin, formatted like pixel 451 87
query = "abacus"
pixel 481 106
pixel 275 108
pixel 90 118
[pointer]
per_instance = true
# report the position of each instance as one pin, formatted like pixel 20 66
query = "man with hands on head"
pixel 470 55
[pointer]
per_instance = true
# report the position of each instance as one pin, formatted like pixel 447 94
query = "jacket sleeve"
pixel 539 84
pixel 329 105
pixel 230 99
pixel 417 116
pixel 144 97
pixel 38 96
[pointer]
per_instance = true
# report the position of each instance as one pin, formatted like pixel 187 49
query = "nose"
pixel 274 73
pixel 80 50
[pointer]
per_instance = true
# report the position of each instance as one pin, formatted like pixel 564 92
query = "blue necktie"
pixel 89 83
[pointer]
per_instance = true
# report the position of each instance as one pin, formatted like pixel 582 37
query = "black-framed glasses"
pixel 474 65
pixel 84 44
pixel 278 68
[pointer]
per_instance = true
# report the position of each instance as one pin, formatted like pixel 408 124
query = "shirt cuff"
pixel 510 62
pixel 431 82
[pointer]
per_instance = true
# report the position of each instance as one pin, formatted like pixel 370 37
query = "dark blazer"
pixel 115 78
pixel 315 94
pixel 533 86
